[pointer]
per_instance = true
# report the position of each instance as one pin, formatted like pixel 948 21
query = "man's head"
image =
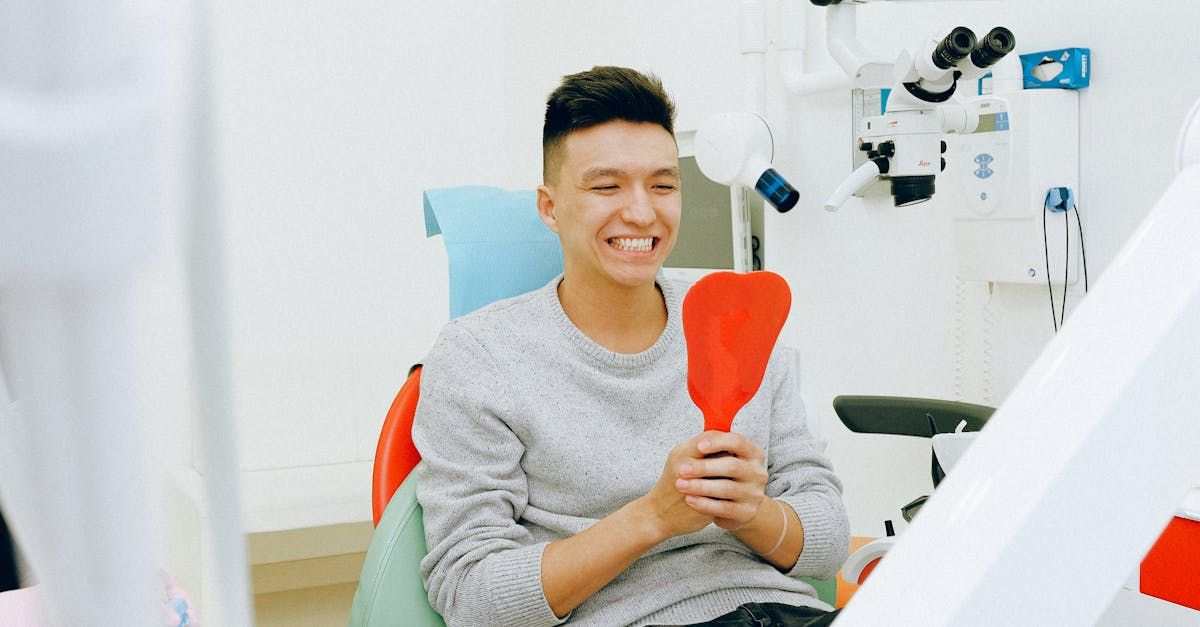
pixel 611 188
pixel 599 95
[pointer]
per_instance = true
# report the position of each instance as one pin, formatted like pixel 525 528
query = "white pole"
pixel 81 211
pixel 210 333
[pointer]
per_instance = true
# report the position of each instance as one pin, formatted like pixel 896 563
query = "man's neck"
pixel 622 319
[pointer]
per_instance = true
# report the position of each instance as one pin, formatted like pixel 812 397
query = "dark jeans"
pixel 774 615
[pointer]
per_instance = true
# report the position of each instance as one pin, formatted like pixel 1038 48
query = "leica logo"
pixel 922 163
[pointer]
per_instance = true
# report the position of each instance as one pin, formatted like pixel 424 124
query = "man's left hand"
pixel 727 479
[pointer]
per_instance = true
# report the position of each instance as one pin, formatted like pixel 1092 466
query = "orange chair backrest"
pixel 395 455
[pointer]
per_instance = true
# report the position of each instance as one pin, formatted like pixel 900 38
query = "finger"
pixel 718 508
pixel 723 489
pixel 731 467
pixel 736 444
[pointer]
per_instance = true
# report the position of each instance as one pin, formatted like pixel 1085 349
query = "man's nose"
pixel 640 209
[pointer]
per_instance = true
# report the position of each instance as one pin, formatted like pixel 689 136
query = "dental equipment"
pixel 904 145
pixel 1116 442
pixel 731 322
pixel 739 148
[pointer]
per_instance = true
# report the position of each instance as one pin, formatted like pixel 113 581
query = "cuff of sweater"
pixel 826 538
pixel 516 581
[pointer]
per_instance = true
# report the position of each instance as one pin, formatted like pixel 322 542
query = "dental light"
pixel 904 145
pixel 738 148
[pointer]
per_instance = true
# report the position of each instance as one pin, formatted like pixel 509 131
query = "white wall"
pixel 331 120
pixel 332 117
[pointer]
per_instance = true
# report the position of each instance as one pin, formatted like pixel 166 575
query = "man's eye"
pixel 601 188
pixel 666 187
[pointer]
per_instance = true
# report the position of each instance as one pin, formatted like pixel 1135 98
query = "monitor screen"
pixel 706 239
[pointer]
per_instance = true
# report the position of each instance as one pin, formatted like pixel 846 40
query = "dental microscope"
pixel 904 145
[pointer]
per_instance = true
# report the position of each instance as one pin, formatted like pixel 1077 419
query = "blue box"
pixel 1068 68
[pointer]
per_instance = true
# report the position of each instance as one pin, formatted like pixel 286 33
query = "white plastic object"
pixel 858 561
pixel 734 148
pixel 1068 485
pixel 859 178
pixel 950 447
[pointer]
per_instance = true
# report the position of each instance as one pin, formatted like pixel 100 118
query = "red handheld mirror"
pixel 731 321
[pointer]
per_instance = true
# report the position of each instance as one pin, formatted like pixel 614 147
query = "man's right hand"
pixel 664 503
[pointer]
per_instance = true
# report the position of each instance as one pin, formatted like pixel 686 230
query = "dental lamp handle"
pixel 857 180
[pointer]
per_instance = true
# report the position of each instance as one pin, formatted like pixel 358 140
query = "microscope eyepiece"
pixel 997 43
pixel 825 3
pixel 954 47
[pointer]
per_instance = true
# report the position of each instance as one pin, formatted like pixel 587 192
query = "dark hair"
pixel 599 95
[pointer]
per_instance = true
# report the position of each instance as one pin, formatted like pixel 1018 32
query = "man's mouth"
pixel 633 244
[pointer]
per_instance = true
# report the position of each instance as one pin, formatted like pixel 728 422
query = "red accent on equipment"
pixel 1171 569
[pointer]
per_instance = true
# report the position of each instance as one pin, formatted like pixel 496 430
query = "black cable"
pixel 1082 250
pixel 1049 287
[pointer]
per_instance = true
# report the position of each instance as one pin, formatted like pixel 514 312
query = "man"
pixel 563 475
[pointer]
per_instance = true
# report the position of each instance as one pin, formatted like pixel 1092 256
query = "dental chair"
pixel 496 247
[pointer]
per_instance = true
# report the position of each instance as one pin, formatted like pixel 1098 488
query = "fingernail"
pixel 705 445
pixel 686 469
pixel 682 484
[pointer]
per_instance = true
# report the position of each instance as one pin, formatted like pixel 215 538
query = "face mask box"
pixel 1067 68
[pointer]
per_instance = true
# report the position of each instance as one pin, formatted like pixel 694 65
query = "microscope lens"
pixel 997 43
pixel 954 47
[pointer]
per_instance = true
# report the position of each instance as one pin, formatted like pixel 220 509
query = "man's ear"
pixel 546 207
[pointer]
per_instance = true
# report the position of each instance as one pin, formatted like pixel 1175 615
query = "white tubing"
pixel 796 30
pixel 858 179
pixel 841 32
pixel 754 54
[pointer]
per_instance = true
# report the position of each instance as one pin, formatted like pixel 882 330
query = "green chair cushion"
pixel 390 590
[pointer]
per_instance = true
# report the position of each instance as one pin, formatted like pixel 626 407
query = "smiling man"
pixel 564 477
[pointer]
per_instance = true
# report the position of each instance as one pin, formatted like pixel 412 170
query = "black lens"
pixel 910 190
pixel 954 47
pixel 825 3
pixel 998 42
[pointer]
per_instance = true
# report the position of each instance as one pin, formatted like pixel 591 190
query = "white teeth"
pixel 637 244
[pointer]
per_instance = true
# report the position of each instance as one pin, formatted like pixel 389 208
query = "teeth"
pixel 638 244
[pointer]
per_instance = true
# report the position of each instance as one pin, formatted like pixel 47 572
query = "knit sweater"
pixel 530 432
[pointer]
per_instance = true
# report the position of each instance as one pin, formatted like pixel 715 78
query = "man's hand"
pixel 666 504
pixel 723 477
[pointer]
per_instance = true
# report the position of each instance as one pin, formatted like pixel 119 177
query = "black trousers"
pixel 773 615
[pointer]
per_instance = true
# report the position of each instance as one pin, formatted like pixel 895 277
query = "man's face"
pixel 615 203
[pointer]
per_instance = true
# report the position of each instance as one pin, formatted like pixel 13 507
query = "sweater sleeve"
pixel 801 476
pixel 482 567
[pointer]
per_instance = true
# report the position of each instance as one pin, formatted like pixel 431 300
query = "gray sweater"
pixel 530 432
